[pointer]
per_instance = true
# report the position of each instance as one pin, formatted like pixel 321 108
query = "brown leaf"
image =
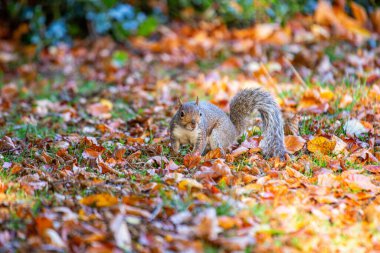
pixel 134 156
pixel 373 168
pixel 375 18
pixel 6 144
pixel 119 152
pixel 291 123
pixel 99 110
pixel 359 182
pixel 294 143
pixel 93 152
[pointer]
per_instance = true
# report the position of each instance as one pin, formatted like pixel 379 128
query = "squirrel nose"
pixel 193 122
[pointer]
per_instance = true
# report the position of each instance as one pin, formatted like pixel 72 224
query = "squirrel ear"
pixel 179 101
pixel 197 101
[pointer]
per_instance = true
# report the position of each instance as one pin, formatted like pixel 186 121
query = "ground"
pixel 85 157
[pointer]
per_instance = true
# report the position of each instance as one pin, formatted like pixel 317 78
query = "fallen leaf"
pixel 93 152
pixel 294 143
pixel 121 233
pixel 99 200
pixel 321 144
pixel 212 154
pixel 354 128
pixel 191 160
pixel 359 13
pixel 239 151
pixel 345 101
pixel 359 182
pixel 207 224
pixel 189 183
pixel 373 168
pixel 340 145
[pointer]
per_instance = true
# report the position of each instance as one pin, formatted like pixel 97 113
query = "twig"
pixel 271 80
pixel 296 73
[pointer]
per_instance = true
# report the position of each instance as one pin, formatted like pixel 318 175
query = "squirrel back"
pixel 204 125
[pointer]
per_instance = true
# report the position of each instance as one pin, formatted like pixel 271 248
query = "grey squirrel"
pixel 206 126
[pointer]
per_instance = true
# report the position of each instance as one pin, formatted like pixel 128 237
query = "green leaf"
pixel 119 58
pixel 148 26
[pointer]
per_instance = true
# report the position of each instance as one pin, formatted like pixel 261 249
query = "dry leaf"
pixel 359 182
pixel 99 200
pixel 345 101
pixel 189 183
pixel 121 233
pixel 373 168
pixel 359 13
pixel 294 143
pixel 321 144
pixel 354 127
pixel 191 160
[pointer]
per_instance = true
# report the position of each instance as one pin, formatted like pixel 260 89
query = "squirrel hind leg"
pixel 219 138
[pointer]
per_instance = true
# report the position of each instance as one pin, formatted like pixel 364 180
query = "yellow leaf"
pixel 189 183
pixel 327 94
pixel 99 200
pixel 321 144
pixel 107 103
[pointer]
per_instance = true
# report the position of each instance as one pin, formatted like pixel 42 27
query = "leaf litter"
pixel 85 158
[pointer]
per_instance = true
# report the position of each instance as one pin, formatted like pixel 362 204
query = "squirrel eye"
pixel 182 114
pixel 200 114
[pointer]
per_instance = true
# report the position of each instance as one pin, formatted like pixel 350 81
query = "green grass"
pixel 305 127
pixel 225 209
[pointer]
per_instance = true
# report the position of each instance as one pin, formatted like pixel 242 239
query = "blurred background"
pixel 44 23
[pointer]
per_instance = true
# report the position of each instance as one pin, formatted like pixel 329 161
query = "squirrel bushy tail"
pixel 242 106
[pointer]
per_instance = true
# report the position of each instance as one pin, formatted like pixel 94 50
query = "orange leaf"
pixel 215 153
pixel 191 160
pixel 119 153
pixel 43 223
pixel 16 168
pixel 321 144
pixel 294 143
pixel 359 13
pixel 99 200
pixel 93 151
pixel 226 222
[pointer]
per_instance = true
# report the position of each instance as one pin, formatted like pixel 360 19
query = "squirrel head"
pixel 189 114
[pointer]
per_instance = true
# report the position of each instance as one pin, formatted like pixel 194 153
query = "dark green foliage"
pixel 62 20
